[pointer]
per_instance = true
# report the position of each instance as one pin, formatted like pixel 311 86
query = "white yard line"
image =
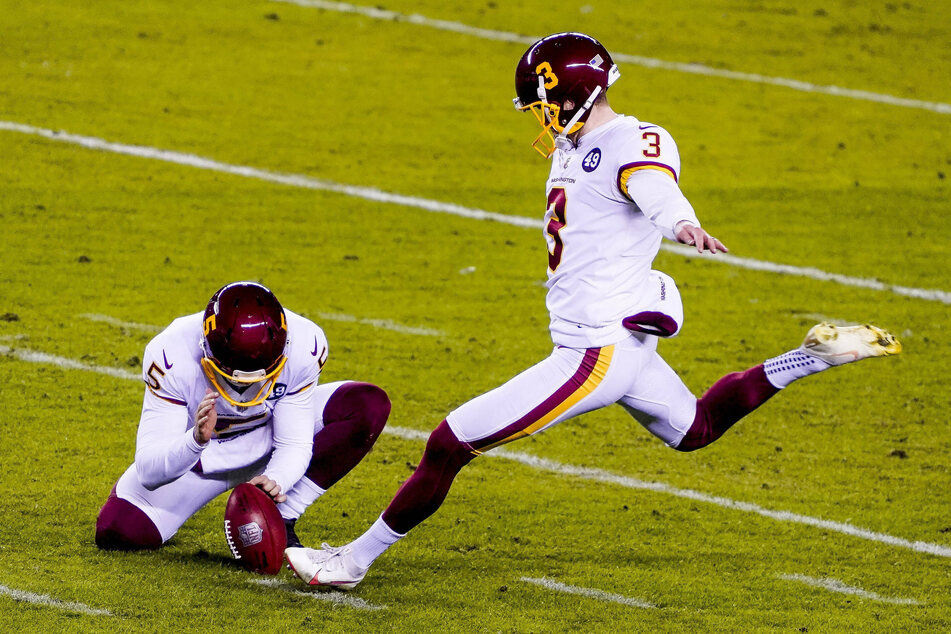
pixel 384 324
pixel 376 195
pixel 42 599
pixel 834 585
pixel 600 475
pixel 648 62
pixel 819 317
pixel 586 473
pixel 42 358
pixel 331 596
pixel 112 321
pixel 600 595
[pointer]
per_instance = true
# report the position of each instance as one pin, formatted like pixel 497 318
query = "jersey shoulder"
pixel 643 146
pixel 171 359
pixel 307 350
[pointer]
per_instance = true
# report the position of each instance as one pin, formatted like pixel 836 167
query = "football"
pixel 255 530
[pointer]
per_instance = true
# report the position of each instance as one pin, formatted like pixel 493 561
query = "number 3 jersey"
pixel 611 199
pixel 175 384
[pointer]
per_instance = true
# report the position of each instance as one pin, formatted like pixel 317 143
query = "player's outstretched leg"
pixel 735 395
pixel 418 498
pixel 354 417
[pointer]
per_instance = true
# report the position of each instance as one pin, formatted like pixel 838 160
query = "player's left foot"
pixel 837 345
pixel 293 541
pixel 326 566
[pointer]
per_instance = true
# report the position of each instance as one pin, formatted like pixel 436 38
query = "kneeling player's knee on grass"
pixel 123 526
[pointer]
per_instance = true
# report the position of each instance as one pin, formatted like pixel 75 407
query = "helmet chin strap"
pixel 561 141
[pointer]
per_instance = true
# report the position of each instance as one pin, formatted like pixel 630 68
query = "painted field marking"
pixel 586 473
pixel 380 196
pixel 647 62
pixel 834 585
pixel 819 317
pixel 384 324
pixel 600 475
pixel 112 321
pixel 43 358
pixel 42 599
pixel 600 595
pixel 335 597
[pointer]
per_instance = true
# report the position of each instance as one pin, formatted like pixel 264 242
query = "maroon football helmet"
pixel 559 78
pixel 244 340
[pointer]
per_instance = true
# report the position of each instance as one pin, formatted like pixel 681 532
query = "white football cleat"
pixel 838 345
pixel 326 566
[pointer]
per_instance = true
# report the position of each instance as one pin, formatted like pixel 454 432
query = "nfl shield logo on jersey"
pixel 250 534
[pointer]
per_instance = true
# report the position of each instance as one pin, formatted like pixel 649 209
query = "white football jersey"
pixel 175 385
pixel 601 243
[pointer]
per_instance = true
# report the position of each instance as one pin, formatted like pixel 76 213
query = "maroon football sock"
pixel 727 401
pixel 122 525
pixel 353 419
pixel 425 490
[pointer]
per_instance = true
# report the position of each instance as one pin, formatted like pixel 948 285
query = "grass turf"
pixel 798 178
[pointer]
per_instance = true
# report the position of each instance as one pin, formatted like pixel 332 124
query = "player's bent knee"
pixel 376 407
pixel 122 525
pixel 365 407
pixel 444 447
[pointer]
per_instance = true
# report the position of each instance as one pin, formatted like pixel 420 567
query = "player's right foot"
pixel 837 345
pixel 326 566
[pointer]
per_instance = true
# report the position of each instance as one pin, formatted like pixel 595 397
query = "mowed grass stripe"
pixel 380 196
pixel 648 62
pixel 586 473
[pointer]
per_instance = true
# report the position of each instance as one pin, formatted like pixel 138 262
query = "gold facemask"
pixel 547 116
pixel 268 379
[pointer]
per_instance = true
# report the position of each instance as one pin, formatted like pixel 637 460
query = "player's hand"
pixel 205 418
pixel 269 486
pixel 695 236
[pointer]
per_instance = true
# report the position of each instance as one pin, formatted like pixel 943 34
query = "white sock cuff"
pixel 792 365
pixel 384 528
pixel 301 495
pixel 373 543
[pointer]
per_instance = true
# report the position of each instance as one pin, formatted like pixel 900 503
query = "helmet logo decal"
pixel 210 323
pixel 544 69
pixel 592 160
pixel 596 61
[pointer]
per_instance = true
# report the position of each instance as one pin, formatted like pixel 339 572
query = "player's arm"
pixel 293 431
pixel 293 427
pixel 650 181
pixel 167 445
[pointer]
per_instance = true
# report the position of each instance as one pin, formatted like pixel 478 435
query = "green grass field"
pixel 850 186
